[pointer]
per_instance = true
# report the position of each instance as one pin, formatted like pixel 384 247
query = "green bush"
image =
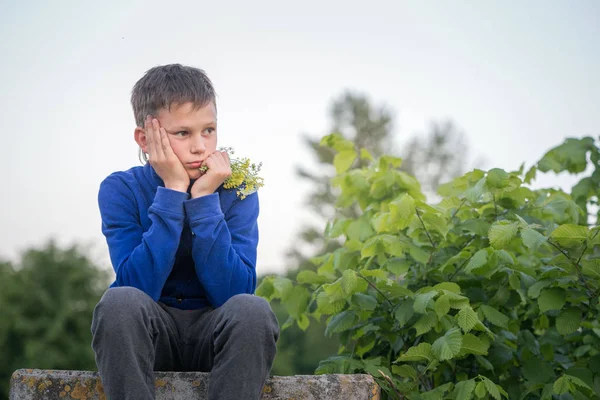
pixel 490 293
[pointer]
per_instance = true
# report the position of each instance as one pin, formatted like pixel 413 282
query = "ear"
pixel 140 138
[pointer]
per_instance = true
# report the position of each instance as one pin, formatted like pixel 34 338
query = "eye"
pixel 208 131
pixel 181 133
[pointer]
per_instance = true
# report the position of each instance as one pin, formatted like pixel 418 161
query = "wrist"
pixel 177 186
pixel 201 193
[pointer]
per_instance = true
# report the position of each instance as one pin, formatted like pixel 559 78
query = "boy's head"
pixel 179 97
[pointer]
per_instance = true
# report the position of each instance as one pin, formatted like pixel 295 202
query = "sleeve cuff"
pixel 170 200
pixel 203 207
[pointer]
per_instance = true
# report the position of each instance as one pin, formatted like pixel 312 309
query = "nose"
pixel 198 145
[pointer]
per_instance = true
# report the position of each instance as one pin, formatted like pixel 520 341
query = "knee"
pixel 118 306
pixel 252 313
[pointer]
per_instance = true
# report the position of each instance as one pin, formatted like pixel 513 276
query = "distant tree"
pixel 46 306
pixel 434 158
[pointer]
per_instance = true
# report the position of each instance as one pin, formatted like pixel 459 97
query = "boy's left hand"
pixel 219 169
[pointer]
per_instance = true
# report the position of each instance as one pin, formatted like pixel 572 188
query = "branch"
pixel 575 264
pixel 375 287
pixel 426 231
pixel 585 247
pixel 458 209
pixel 466 261
pixel 387 378
pixel 367 265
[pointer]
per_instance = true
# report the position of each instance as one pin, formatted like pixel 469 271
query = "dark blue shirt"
pixel 187 253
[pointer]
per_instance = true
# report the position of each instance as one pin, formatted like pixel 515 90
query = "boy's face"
pixel 192 133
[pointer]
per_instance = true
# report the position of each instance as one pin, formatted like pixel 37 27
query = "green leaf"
pixel 494 316
pixel 297 301
pixel 491 388
pixel 435 223
pixel 326 305
pixel 467 319
pixel 266 289
pixel 372 247
pixel 360 229
pixel 551 299
pixel 569 156
pixel 447 346
pixel 283 287
pixel 448 286
pixel 530 175
pixel 568 321
pixel 562 385
pixel 403 210
pixel 405 312
pixel 365 155
pixel 497 178
pixel 536 370
pixel 480 390
pixel 514 281
pixel 473 194
pixel 442 305
pixel 425 323
pixel 337 228
pixel 477 261
pixel 349 281
pixel 422 352
pixel 344 160
pixel 405 371
pixel 364 301
pixel 303 322
pixel 397 266
pixel 501 233
pixel 532 238
pixel 569 235
pixel 310 277
pixel 535 289
pixel 436 393
pixel 476 226
pixel 337 142
pixel 422 300
pixel 591 268
pixel 340 322
pixel 464 390
pixel 578 382
pixel 471 344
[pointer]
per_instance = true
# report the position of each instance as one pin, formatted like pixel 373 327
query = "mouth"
pixel 195 165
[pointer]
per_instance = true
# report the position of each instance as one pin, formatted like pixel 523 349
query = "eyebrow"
pixel 185 128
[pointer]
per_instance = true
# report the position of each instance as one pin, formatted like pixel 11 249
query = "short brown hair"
pixel 165 85
pixel 172 84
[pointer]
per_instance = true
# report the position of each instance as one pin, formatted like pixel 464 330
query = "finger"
pixel 166 143
pixel 226 157
pixel 159 147
pixel 150 143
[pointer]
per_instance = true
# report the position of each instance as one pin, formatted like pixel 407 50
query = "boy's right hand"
pixel 162 158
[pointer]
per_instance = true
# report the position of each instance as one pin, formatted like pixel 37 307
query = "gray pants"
pixel 134 336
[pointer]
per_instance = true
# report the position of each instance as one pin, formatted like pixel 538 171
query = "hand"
pixel 162 158
pixel 219 169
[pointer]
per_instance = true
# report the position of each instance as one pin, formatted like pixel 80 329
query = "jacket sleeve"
pixel 224 246
pixel 142 259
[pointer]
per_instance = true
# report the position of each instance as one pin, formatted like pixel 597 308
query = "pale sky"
pixel 516 77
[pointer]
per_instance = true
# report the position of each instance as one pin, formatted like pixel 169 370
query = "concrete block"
pixel 35 384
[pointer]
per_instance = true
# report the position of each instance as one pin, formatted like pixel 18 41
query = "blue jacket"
pixel 187 253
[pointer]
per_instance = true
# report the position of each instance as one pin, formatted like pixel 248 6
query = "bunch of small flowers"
pixel 244 174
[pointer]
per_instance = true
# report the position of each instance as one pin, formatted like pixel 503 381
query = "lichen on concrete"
pixel 28 384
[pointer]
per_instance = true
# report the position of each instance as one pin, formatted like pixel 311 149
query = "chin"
pixel 194 174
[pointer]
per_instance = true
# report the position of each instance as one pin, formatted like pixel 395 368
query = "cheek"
pixel 177 148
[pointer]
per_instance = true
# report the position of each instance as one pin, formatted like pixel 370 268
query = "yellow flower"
pixel 244 175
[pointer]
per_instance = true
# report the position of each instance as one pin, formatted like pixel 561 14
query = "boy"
pixel 184 252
